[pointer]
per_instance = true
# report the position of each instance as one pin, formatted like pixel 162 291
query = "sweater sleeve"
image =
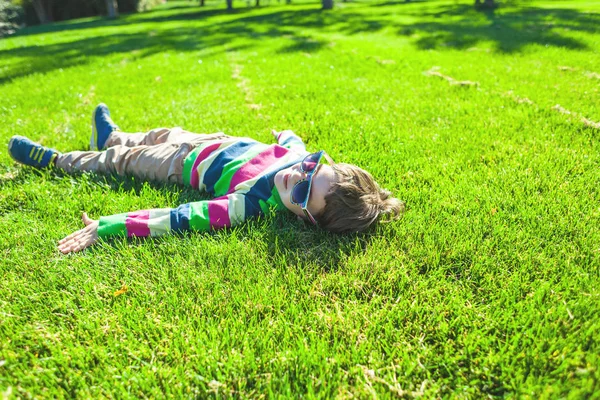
pixel 291 141
pixel 218 213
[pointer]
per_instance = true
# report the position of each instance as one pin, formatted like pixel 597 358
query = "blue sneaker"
pixel 102 127
pixel 26 152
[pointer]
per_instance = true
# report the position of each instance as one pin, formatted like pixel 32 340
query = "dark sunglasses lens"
pixel 300 192
pixel 310 162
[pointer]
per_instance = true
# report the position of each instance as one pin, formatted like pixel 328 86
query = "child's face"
pixel 321 184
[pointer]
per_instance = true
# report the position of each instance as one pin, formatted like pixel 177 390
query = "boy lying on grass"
pixel 247 177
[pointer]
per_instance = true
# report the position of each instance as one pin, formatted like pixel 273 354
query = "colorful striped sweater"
pixel 240 172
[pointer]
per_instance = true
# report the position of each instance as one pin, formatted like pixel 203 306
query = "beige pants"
pixel 155 156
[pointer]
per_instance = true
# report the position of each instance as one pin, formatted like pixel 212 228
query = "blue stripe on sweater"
pixel 180 218
pixel 215 170
pixel 262 189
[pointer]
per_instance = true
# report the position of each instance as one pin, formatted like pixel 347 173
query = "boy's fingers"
pixel 69 240
pixel 86 219
pixel 65 248
pixel 71 248
pixel 80 239
pixel 75 245
pixel 72 235
pixel 80 243
pixel 65 238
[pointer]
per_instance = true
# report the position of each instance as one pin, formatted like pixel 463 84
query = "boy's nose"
pixel 298 170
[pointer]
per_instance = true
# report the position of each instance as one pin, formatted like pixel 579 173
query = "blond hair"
pixel 356 201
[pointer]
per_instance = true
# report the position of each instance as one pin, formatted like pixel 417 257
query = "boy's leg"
pixel 102 127
pixel 159 136
pixel 161 163
pixel 105 133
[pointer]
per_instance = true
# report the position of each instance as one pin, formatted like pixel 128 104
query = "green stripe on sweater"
pixel 113 225
pixel 199 219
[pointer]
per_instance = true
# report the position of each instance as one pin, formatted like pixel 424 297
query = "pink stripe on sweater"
pixel 218 212
pixel 257 165
pixel 194 178
pixel 137 223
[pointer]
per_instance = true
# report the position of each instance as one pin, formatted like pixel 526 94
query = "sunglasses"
pixel 301 191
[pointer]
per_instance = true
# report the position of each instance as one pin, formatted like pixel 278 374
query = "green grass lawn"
pixel 488 287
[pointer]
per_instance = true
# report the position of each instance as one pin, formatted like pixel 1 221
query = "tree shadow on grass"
pixel 233 35
pixel 462 27
pixel 188 13
pixel 43 59
pixel 451 26
pixel 397 3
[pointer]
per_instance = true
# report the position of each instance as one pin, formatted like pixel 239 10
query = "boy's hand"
pixel 81 239
pixel 278 133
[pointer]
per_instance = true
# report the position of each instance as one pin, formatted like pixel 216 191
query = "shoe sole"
pixel 93 145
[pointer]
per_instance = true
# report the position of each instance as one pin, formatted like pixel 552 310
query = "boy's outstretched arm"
pixel 204 215
pixel 81 239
